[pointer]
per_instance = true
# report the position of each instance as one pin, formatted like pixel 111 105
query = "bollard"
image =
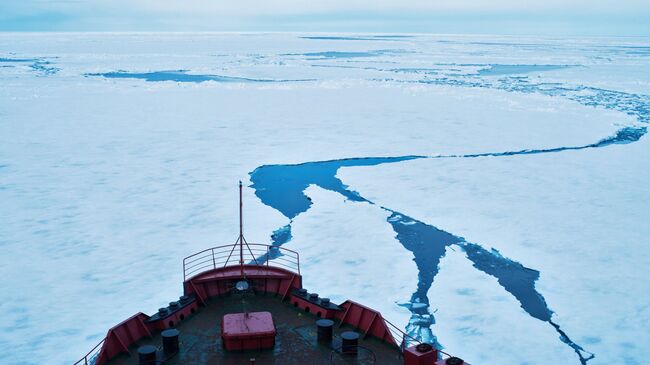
pixel 162 312
pixel 170 341
pixel 421 354
pixel 146 355
pixel 454 361
pixel 349 343
pixel 324 330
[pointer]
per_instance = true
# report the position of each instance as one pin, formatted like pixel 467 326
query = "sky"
pixel 542 17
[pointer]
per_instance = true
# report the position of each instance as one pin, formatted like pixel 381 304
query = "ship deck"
pixel 201 343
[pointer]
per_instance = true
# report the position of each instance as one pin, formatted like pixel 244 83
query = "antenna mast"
pixel 241 230
pixel 241 241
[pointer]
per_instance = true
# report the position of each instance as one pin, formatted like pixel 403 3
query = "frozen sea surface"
pixel 484 193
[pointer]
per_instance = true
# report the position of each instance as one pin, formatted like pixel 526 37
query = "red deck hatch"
pixel 248 331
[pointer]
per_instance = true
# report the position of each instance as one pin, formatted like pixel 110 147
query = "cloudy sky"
pixel 545 17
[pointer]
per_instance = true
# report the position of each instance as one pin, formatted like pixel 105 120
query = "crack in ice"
pixel 282 188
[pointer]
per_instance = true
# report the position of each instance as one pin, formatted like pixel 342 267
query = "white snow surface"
pixel 106 184
pixel 343 264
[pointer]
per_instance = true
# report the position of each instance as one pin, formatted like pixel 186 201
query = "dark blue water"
pixel 282 188
pixel 418 70
pixel 42 66
pixel 334 38
pixel 281 235
pixel 514 277
pixel 336 54
pixel 428 245
pixel 180 76
pixel 2 59
pixel 393 36
pixel 497 69
pixel 623 136
pixel 359 38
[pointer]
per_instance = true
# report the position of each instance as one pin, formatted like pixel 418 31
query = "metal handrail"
pixel 402 339
pixel 406 340
pixel 254 254
pixel 91 356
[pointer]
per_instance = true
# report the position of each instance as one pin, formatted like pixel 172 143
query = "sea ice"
pixel 106 184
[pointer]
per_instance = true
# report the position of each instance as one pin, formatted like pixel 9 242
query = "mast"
pixel 241 230
pixel 241 240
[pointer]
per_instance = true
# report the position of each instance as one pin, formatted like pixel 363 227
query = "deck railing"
pixel 229 255
pixel 402 339
pixel 405 340
pixel 91 356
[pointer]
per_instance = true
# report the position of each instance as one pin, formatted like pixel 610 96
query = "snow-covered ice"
pixel 580 218
pixel 107 183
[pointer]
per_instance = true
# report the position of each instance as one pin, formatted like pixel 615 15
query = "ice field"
pixel 486 193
